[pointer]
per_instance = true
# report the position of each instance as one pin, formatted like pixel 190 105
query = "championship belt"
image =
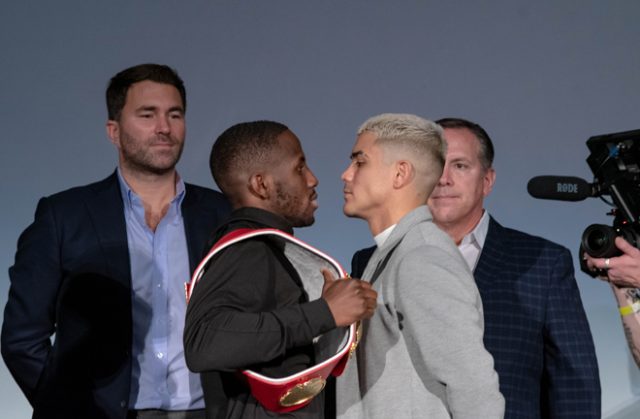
pixel 332 349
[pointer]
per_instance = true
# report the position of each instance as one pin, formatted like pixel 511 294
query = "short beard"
pixel 287 208
pixel 139 159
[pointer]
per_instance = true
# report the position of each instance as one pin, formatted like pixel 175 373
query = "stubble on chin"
pixel 147 160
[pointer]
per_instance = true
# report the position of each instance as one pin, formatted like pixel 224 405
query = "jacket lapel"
pixel 104 204
pixel 492 256
pixel 197 234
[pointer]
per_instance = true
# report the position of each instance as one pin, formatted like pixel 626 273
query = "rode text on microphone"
pixel 615 163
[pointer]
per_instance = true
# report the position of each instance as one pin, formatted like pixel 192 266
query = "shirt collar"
pixel 478 235
pixel 129 196
pixel 260 216
pixel 382 237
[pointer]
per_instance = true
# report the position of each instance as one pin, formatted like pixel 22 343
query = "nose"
pixel 162 125
pixel 347 175
pixel 445 179
pixel 312 180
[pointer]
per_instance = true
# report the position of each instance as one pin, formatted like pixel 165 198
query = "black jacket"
pixel 250 311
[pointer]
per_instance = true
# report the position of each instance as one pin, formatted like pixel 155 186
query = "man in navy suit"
pixel 535 325
pixel 103 267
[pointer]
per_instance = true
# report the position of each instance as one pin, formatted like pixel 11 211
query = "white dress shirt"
pixel 471 244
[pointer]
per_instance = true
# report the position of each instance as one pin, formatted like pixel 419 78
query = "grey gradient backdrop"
pixel 541 77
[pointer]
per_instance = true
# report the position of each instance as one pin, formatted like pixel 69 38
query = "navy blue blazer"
pixel 72 277
pixel 535 326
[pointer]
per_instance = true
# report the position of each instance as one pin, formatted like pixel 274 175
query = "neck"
pixel 377 226
pixel 457 231
pixel 155 190
pixel 389 216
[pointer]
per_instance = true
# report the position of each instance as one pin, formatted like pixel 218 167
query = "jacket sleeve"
pixel 235 318
pixel 571 378
pixel 443 328
pixel 29 316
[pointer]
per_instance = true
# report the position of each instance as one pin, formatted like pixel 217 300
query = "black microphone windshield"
pixel 561 188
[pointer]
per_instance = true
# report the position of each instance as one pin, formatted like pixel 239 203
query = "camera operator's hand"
pixel 622 271
pixel 349 299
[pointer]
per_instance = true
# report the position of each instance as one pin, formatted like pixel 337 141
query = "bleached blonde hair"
pixel 412 138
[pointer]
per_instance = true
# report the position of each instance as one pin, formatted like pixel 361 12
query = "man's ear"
pixel 260 186
pixel 113 132
pixel 488 181
pixel 404 173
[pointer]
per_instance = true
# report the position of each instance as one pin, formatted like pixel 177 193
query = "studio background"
pixel 541 77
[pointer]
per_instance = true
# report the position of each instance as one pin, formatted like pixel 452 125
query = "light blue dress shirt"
pixel 159 268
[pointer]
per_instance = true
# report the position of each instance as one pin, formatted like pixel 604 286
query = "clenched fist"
pixel 349 300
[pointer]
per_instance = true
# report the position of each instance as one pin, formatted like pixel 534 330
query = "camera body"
pixel 615 163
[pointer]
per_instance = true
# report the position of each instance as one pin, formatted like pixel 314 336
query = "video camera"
pixel 615 163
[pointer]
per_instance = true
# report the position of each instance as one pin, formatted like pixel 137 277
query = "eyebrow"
pixel 460 159
pixel 356 154
pixel 155 108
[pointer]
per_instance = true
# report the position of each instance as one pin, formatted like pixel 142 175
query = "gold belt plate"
pixel 303 392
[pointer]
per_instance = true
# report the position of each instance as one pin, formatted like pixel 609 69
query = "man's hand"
pixel 349 300
pixel 622 271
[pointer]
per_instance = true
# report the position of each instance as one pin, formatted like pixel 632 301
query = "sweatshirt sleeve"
pixel 246 310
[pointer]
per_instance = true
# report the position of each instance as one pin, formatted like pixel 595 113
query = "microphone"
pixel 561 188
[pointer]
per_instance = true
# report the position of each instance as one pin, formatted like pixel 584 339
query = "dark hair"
pixel 486 145
pixel 120 83
pixel 242 146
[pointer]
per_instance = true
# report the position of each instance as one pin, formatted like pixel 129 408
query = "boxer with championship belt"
pixel 268 322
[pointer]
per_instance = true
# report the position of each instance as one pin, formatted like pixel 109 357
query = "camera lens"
pixel 598 240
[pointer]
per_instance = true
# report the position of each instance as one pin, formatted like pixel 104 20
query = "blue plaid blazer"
pixel 535 326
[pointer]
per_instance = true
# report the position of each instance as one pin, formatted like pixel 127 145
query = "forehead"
pixel 365 144
pixel 461 143
pixel 148 91
pixel 289 145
